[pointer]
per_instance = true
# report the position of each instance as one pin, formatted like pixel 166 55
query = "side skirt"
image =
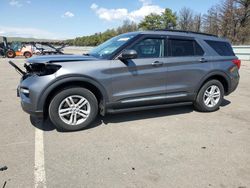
pixel 115 111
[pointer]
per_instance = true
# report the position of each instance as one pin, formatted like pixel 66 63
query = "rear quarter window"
pixel 222 48
pixel 182 48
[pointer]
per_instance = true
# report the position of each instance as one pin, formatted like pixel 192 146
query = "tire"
pixel 73 118
pixel 10 54
pixel 27 54
pixel 208 101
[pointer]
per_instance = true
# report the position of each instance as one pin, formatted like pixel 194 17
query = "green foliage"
pixel 151 22
pixel 166 20
pixel 230 19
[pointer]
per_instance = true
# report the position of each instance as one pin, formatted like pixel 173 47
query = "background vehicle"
pixel 45 48
pixel 13 49
pixel 5 50
pixel 133 71
pixel 22 49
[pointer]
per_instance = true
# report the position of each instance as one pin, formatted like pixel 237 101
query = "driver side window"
pixel 149 48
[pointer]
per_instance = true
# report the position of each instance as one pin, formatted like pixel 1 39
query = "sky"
pixel 65 19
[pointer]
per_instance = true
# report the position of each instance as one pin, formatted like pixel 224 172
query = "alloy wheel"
pixel 212 96
pixel 74 110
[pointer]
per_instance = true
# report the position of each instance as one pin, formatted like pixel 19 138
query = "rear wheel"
pixel 27 54
pixel 73 109
pixel 10 54
pixel 210 96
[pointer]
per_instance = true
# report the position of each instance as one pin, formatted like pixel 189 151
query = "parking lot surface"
pixel 173 147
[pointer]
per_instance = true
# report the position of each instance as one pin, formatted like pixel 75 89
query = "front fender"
pixel 66 79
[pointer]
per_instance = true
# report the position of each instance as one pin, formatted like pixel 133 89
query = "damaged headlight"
pixel 41 69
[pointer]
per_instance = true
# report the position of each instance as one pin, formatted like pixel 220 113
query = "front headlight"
pixel 24 91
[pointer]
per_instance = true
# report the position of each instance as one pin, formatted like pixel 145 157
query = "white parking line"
pixel 39 173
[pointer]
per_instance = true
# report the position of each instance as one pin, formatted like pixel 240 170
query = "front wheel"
pixel 210 96
pixel 73 109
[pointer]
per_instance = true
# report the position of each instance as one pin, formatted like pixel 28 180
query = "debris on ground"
pixel 4 184
pixel 203 147
pixel 133 168
pixel 3 168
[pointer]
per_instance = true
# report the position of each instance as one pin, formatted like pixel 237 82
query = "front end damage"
pixel 35 78
pixel 39 69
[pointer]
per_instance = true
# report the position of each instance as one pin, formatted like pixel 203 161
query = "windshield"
pixel 107 48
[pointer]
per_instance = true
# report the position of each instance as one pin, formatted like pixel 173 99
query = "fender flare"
pixel 69 78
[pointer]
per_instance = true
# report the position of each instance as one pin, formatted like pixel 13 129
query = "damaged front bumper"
pixel 32 85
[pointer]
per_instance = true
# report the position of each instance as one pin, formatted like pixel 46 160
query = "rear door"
pixel 186 66
pixel 142 78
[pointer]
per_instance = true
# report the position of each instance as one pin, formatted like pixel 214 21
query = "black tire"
pixel 10 54
pixel 27 54
pixel 199 103
pixel 59 98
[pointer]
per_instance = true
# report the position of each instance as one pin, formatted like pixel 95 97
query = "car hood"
pixel 59 58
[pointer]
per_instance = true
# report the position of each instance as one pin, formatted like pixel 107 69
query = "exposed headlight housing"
pixel 41 69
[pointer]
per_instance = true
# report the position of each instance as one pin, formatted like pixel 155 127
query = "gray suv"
pixel 132 71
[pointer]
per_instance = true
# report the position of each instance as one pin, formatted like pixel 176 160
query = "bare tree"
pixel 185 19
pixel 211 21
pixel 228 18
pixel 243 16
pixel 235 20
pixel 197 23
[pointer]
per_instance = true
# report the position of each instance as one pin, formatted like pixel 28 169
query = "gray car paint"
pixel 177 79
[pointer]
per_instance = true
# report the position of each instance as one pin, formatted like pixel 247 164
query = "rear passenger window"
pixel 180 48
pixel 222 48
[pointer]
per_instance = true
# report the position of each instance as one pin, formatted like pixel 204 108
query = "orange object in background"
pixel 22 49
pixel 14 49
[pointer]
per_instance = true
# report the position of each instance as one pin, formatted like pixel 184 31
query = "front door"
pixel 143 78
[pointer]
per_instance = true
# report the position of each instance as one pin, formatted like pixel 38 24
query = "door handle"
pixel 203 60
pixel 157 63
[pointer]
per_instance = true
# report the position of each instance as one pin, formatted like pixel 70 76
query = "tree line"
pixel 230 19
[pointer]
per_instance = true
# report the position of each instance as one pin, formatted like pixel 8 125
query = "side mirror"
pixel 128 54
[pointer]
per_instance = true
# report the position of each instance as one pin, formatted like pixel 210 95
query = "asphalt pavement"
pixel 172 147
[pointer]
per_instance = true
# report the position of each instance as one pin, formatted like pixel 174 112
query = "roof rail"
pixel 183 31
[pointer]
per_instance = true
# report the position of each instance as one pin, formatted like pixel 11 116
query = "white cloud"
pixel 15 3
pixel 28 2
pixel 26 32
pixel 123 14
pixel 146 2
pixel 94 6
pixel 68 14
pixel 109 14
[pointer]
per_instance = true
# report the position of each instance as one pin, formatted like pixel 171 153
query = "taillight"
pixel 237 62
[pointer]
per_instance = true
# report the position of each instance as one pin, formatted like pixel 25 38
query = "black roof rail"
pixel 183 31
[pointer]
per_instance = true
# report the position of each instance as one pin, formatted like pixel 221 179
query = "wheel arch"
pixel 217 75
pixel 96 88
